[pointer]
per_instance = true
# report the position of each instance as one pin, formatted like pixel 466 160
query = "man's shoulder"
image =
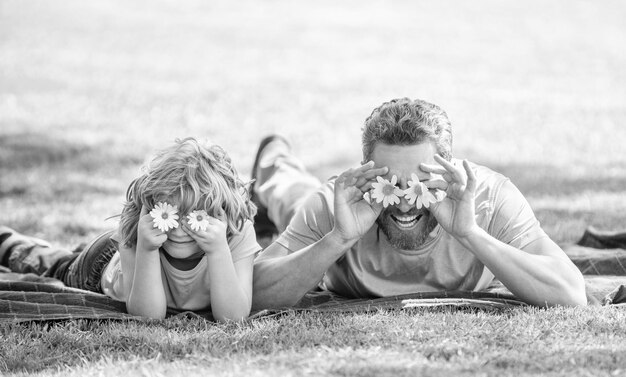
pixel 489 181
pixel 487 175
pixel 320 201
pixel 324 194
pixel 489 193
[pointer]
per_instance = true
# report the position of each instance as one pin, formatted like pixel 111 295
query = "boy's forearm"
pixel 147 297
pixel 229 299
pixel 283 281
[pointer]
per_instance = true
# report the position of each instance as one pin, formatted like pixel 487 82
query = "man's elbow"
pixel 265 299
pixel 577 294
pixel 572 293
pixel 272 288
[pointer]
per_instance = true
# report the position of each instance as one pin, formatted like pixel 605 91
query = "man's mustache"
pixel 414 212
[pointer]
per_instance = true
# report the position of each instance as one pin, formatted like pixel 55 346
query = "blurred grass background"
pixel 535 90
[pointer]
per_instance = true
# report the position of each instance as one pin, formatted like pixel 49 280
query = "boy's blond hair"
pixel 194 176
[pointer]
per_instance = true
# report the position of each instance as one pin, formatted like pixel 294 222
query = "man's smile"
pixel 406 221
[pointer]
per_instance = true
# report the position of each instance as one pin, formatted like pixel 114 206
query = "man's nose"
pixel 404 205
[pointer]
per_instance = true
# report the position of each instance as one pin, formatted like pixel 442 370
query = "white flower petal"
pixel 384 202
pixel 410 196
pixel 418 204
pixel 367 198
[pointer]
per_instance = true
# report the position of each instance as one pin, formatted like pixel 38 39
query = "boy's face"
pixel 180 245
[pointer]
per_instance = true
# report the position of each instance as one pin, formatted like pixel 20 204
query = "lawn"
pixel 535 90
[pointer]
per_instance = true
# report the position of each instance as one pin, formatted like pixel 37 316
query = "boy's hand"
pixel 149 238
pixel 213 239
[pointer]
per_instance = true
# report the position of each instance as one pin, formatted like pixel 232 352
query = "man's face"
pixel 406 227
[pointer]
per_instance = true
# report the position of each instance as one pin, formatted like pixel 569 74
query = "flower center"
pixel 388 190
pixel 199 218
pixel 164 216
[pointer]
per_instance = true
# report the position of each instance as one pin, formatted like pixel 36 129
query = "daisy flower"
pixel 418 193
pixel 165 216
pixel 198 219
pixel 386 191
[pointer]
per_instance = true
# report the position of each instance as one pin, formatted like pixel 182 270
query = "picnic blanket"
pixel 27 297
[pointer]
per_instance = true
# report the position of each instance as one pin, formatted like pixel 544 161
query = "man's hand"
pixel 213 239
pixel 456 212
pixel 353 215
pixel 149 238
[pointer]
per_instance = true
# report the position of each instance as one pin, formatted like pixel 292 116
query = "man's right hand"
pixel 149 238
pixel 353 215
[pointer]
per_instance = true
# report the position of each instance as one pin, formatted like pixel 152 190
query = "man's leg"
pixel 25 254
pixel 599 239
pixel 282 182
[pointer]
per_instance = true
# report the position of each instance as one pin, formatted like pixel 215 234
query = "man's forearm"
pixel 542 280
pixel 283 281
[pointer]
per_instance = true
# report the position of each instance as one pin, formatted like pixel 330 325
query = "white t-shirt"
pixel 185 290
pixel 374 268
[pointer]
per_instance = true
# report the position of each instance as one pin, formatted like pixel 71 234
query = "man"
pixel 335 237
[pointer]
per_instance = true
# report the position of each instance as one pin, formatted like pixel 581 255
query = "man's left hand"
pixel 456 212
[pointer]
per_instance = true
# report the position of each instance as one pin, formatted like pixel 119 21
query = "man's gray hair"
pixel 403 121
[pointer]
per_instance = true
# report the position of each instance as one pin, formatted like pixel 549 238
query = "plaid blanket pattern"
pixel 598 261
pixel 30 300
pixel 26 297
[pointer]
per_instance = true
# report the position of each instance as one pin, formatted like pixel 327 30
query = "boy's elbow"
pixel 142 311
pixel 231 317
pixel 148 314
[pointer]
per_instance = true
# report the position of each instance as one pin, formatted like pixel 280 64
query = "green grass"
pixel 534 90
pixel 426 342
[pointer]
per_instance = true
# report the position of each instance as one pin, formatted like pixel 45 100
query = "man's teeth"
pixel 406 221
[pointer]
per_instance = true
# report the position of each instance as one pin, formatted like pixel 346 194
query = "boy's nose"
pixel 178 231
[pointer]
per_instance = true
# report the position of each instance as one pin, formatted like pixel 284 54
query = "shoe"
pixel 263 226
pixel 10 237
pixel 598 239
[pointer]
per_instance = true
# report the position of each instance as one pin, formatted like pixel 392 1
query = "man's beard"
pixel 410 239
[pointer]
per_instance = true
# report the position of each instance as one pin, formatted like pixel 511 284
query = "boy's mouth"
pixel 180 242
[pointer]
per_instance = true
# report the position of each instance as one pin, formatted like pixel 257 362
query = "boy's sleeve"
pixel 514 221
pixel 244 244
pixel 311 222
